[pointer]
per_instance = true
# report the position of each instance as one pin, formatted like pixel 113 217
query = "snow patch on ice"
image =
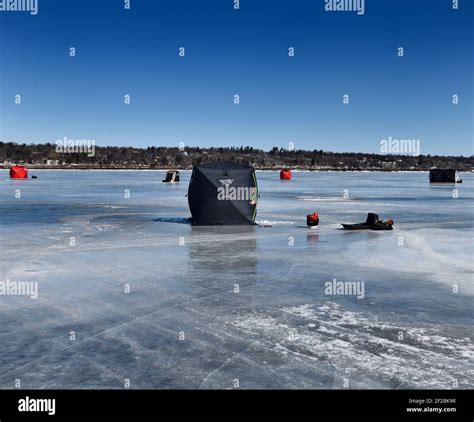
pixel 366 350
pixel 273 222
pixel 324 199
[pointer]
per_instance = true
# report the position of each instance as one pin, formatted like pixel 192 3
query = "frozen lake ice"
pixel 128 291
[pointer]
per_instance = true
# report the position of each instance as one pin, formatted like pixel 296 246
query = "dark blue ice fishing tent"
pixel 223 193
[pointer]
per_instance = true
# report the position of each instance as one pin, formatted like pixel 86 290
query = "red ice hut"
pixel 18 172
pixel 285 174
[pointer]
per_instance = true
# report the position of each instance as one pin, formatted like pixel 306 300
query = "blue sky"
pixel 282 99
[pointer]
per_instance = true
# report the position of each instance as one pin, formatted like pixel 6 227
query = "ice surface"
pixel 209 306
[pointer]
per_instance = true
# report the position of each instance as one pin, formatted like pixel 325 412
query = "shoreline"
pixel 296 170
pixel 31 169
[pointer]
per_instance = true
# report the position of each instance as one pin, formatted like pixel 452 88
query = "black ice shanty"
pixel 223 193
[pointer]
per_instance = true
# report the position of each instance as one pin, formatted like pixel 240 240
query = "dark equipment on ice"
pixel 444 176
pixel 171 177
pixel 312 220
pixel 34 177
pixel 223 193
pixel 372 223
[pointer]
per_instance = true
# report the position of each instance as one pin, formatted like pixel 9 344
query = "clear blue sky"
pixel 245 52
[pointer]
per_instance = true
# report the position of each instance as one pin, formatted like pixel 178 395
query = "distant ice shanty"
pixel 285 174
pixel 444 176
pixel 18 172
pixel 171 177
pixel 223 193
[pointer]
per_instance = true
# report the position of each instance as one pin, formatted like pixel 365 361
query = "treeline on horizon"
pixel 45 155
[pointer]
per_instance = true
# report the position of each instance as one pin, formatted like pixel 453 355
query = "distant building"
pixel 443 176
